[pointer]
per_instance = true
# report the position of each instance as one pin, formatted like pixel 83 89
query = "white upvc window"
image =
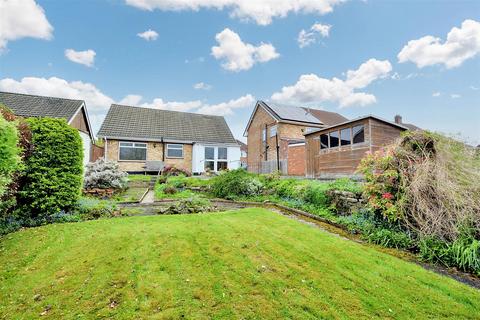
pixel 222 156
pixel 132 151
pixel 216 158
pixel 174 150
pixel 264 135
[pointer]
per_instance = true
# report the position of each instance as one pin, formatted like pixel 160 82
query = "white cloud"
pixel 87 57
pixel 455 96
pixel 202 86
pixel 462 43
pixel 131 100
pixel 220 109
pixel 20 19
pixel 310 88
pixel 148 35
pixel 436 94
pixel 474 88
pixel 260 11
pixel 184 106
pixel 227 108
pixel 306 38
pixel 97 102
pixel 238 55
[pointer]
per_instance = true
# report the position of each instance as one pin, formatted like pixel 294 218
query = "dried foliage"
pixel 428 181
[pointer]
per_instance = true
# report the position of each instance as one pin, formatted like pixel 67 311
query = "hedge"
pixel 54 170
pixel 9 153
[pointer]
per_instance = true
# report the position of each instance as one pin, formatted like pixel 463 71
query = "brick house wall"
pixel 256 148
pixel 296 160
pixel 154 152
pixel 286 133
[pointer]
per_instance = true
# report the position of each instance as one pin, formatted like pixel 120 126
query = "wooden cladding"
pixel 324 158
pixel 80 122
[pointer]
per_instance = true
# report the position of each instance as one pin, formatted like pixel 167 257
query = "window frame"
pixel 205 154
pixel 132 145
pixel 215 160
pixel 349 129
pixel 353 136
pixel 330 139
pixel 226 154
pixel 168 147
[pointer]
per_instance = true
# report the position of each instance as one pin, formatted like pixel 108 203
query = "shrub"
pixel 104 175
pixel 346 184
pixel 174 171
pixel 235 183
pixel 64 217
pixel 427 181
pixel 170 190
pixel 53 174
pixel 189 206
pixel 466 254
pixel 91 208
pixel 390 238
pixel 433 249
pixel 162 179
pixel 316 193
pixel 10 160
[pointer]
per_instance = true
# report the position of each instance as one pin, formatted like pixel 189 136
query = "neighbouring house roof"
pixel 393 124
pixel 242 145
pixel 328 118
pixel 147 124
pixel 27 106
pixel 292 113
pixel 410 126
pixel 297 115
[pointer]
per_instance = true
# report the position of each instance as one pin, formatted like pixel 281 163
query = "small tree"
pixel 53 174
pixel 104 175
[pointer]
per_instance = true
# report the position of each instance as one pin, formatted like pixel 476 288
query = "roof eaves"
pixel 357 119
pixel 266 108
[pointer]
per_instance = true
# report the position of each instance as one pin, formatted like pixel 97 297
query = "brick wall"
pixel 154 152
pixel 296 160
pixel 256 150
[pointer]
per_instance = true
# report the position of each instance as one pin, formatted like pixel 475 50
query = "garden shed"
pixel 337 150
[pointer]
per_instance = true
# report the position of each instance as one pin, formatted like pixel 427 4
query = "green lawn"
pixel 250 264
pixel 139 177
pixel 132 194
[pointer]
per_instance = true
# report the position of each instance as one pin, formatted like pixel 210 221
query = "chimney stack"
pixel 398 119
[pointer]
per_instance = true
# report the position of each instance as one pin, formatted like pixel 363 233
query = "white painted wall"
pixel 86 142
pixel 198 156
pixel 234 157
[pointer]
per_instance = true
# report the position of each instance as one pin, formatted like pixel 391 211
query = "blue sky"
pixel 434 84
